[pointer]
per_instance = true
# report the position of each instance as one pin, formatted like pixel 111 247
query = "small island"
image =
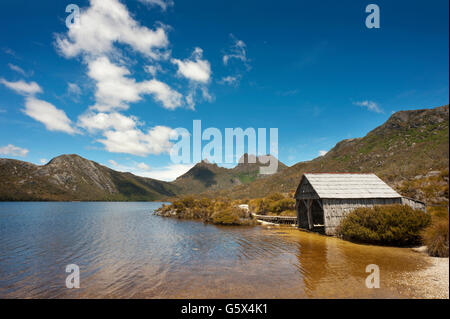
pixel 223 211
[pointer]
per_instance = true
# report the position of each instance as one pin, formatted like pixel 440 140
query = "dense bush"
pixel 228 216
pixel 258 206
pixel 435 237
pixel 282 205
pixel 226 212
pixel 217 211
pixel 290 212
pixel 273 204
pixel 397 225
pixel 274 197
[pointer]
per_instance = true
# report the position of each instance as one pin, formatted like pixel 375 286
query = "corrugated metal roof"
pixel 350 186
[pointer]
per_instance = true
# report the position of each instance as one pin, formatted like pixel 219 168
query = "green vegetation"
pixel 228 216
pixel 395 225
pixel 71 177
pixel 406 148
pixel 205 176
pixel 223 211
pixel 247 178
pixel 273 204
pixel 217 211
pixel 406 152
pixel 435 237
pixel 432 189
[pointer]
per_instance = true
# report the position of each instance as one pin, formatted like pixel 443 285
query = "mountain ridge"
pixel 407 145
pixel 72 177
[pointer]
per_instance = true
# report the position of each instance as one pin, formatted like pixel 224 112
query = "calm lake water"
pixel 124 251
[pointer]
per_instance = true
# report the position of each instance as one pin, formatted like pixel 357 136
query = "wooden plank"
pixel 309 213
pixel 277 219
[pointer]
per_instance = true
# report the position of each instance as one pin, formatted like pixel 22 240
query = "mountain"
pixel 71 177
pixel 408 146
pixel 207 176
pixel 410 152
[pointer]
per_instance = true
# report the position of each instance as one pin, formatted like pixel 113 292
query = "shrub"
pixel 397 225
pixel 217 211
pixel 435 237
pixel 282 205
pixel 227 216
pixel 259 206
pixel 274 203
pixel 438 211
pixel 290 212
pixel 275 196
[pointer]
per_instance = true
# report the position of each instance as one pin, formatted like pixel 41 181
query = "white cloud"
pixel 12 150
pixel 167 173
pixel 73 89
pixel 163 93
pixel 9 52
pixel 322 153
pixel 136 142
pixel 104 121
pixel 194 68
pixel 370 105
pixel 198 72
pixel 113 163
pixel 164 4
pixel 43 161
pixel 53 118
pixel 153 69
pixel 143 166
pixel 104 28
pixel 17 69
pixel 22 87
pixel 237 51
pixel 115 90
pixel 104 23
pixel 230 80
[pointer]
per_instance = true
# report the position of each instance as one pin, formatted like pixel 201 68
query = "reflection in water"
pixel 124 251
pixel 312 272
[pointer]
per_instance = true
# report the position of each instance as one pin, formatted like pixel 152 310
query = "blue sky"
pixel 113 89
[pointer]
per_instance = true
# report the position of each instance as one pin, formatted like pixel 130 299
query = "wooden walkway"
pixel 277 219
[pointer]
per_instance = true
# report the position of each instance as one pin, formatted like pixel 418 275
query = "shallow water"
pixel 124 251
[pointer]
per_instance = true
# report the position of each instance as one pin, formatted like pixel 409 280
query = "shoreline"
pixel 428 282
pixel 431 282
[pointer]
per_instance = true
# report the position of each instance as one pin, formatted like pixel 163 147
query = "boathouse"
pixel 324 199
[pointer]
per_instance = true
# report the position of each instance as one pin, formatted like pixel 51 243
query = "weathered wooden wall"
pixel 336 209
pixel 306 191
pixel 415 204
pixel 302 217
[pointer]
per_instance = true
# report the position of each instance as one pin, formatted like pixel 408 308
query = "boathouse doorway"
pixel 310 214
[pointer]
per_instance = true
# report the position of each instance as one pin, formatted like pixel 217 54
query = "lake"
pixel 124 251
